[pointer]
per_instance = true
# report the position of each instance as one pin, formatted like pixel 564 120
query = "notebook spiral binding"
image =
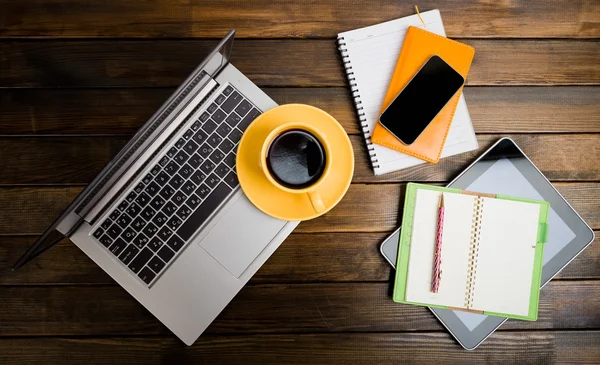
pixel 358 102
pixel 473 251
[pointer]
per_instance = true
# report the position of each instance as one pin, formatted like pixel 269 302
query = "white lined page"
pixel 373 52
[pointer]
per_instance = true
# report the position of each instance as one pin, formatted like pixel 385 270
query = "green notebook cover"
pixel 405 240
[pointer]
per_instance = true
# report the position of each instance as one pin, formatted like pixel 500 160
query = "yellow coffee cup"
pixel 296 158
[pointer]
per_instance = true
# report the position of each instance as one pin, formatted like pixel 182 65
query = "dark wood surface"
pixel 78 77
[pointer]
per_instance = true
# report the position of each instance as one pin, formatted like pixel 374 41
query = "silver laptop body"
pixel 215 238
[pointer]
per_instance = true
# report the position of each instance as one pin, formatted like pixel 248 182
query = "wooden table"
pixel 78 77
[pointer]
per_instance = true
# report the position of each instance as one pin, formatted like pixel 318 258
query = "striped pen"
pixel 437 270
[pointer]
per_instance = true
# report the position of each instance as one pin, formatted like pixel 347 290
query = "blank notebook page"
pixel 504 267
pixel 373 52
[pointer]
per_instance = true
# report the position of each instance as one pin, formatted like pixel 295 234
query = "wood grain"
pixel 302 258
pixel 365 208
pixel 273 62
pixel 539 347
pixel 499 109
pixel 77 160
pixel 288 308
pixel 307 18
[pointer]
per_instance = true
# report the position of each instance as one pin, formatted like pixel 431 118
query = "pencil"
pixel 437 270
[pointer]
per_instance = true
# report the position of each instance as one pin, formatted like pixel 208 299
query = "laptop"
pixel 166 218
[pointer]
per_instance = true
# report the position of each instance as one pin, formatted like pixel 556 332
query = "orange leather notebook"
pixel 419 45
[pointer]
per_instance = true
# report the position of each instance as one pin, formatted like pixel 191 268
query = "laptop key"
pixel 179 198
pixel 143 199
pixel 106 241
pixel 133 210
pixel 195 160
pixel 224 130
pixel 166 254
pixel 157 203
pixel 148 213
pixel 220 99
pixel 248 119
pixel 195 126
pixel 131 197
pixel 174 222
pixel 185 171
pixel 159 219
pixel 232 179
pixel 123 205
pixel 193 201
pixel 150 230
pixel 141 260
pixel 211 109
pixel 176 181
pixel 162 178
pixel 204 117
pixel 108 222
pixel 169 208
pixel 207 166
pixel 156 264
pixel 198 177
pixel 147 275
pixel 205 150
pixel 188 134
pixel 184 212
pixel 138 223
pixel 180 143
pixel 188 187
pixel 226 145
pixel 200 137
pixel 155 170
pixel 181 157
pixel 152 189
pixel 167 192
pixel 218 116
pixel 128 254
pixel 117 247
pixel 139 188
pixel 165 233
pixel 140 241
pixel 231 102
pixel 214 140
pixel 243 108
pixel 175 243
pixel 233 120
pixel 98 233
pixel 124 220
pixel 128 235
pixel 230 160
pixel 190 147
pixel 163 161
pixel 203 191
pixel 222 170
pixel 172 152
pixel 114 215
pixel 114 231
pixel 228 90
pixel 189 227
pixel 155 244
pixel 209 126
pixel 217 156
pixel 171 168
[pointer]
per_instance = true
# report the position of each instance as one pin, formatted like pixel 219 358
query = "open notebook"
pixel 492 250
pixel 370 55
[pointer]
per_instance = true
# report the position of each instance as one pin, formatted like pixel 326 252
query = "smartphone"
pixel 421 100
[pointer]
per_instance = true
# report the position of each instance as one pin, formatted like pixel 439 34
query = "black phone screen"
pixel 421 100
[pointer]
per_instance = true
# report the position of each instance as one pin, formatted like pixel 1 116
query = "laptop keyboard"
pixel 195 175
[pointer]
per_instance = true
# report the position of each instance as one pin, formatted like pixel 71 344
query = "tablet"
pixel 505 169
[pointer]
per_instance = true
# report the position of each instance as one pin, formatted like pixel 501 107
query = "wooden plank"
pixel 540 347
pixel 273 62
pixel 291 308
pixel 365 208
pixel 312 18
pixel 301 258
pixel 122 111
pixel 77 160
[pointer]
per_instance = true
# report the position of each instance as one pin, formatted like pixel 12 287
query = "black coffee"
pixel 296 159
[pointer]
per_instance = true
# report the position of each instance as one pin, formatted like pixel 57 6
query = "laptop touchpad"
pixel 240 236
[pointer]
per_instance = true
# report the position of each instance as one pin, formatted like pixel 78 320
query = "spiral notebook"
pixel 492 252
pixel 370 55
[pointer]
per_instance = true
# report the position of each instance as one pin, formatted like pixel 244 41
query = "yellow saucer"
pixel 274 201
